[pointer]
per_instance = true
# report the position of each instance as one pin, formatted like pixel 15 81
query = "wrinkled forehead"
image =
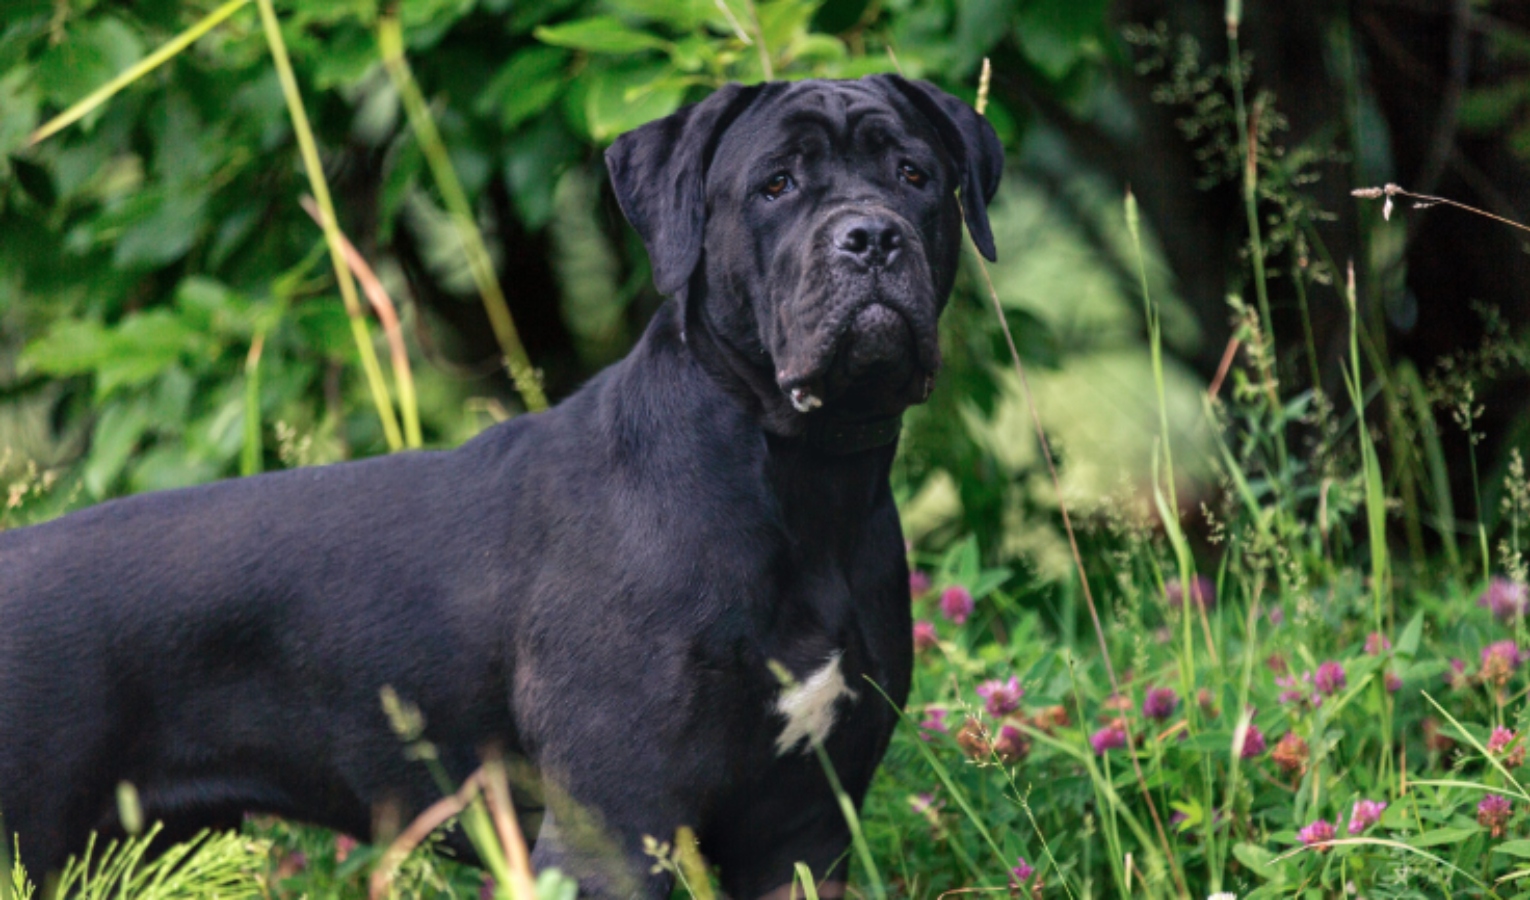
pixel 807 118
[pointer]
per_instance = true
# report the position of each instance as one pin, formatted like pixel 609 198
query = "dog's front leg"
pixel 624 758
pixel 609 853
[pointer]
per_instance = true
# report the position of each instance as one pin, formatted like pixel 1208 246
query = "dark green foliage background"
pixel 142 250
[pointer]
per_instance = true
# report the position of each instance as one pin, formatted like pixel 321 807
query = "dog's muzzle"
pixel 864 320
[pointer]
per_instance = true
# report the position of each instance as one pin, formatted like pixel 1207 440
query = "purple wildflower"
pixel 1296 688
pixel 1456 677
pixel 1160 703
pixel 1377 643
pixel 344 844
pixel 1011 745
pixel 1022 871
pixel 956 603
pixel 1001 698
pixel 1499 660
pixel 1499 740
pixel 1277 616
pixel 1203 592
pixel 924 802
pixel 925 637
pixel 1504 597
pixel 918 583
pixel 1493 813
pixel 1364 814
pixel 1318 834
pixel 1330 678
pixel 1111 737
pixel 934 721
pixel 1253 742
pixel 1393 682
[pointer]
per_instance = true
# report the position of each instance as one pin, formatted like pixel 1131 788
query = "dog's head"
pixel 823 218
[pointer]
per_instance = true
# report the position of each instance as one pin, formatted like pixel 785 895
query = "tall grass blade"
pixel 1394 845
pixel 846 805
pixel 1375 495
pixel 1078 560
pixel 951 787
pixel 143 67
pixel 1444 518
pixel 250 453
pixel 802 877
pixel 1477 745
pixel 387 316
pixel 390 39
pixel 320 187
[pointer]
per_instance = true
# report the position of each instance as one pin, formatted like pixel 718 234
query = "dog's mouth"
pixel 856 328
pixel 877 357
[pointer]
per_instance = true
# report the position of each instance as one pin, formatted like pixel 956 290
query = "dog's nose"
pixel 872 241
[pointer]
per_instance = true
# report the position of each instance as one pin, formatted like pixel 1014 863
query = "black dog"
pixel 597 589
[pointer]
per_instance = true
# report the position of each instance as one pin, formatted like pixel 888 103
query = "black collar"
pixel 842 437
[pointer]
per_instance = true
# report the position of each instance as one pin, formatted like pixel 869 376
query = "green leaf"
pixel 1054 34
pixel 18 112
pixel 142 347
pixel 601 34
pixel 1442 836
pixel 71 347
pixel 1520 848
pixel 989 581
pixel 1486 108
pixel 1413 632
pixel 160 229
pixel 1259 861
pixel 116 435
pixel 679 15
pixel 1193 812
pixel 93 52
pixel 818 48
pixel 525 87
pixel 784 22
pixel 36 181
pixel 620 100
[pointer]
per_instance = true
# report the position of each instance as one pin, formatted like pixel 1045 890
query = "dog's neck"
pixel 747 378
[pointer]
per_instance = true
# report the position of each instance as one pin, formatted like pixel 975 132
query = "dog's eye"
pixel 911 173
pixel 778 184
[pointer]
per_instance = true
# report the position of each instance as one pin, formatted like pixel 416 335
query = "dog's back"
pixel 173 640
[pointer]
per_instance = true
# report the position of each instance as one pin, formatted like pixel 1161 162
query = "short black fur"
pixel 597 589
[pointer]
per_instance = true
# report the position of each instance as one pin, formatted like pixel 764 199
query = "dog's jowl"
pixel 601 589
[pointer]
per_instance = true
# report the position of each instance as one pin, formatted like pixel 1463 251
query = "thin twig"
pixel 497 794
pixel 1227 359
pixel 1424 201
pixel 432 818
pixel 387 314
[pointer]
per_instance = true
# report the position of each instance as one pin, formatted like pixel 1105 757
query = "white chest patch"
pixel 809 707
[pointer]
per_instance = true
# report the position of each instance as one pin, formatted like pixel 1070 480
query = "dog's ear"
pixel 971 141
pixel 659 174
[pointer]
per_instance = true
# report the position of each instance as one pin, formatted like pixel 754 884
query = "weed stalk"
pixel 320 187
pixel 390 40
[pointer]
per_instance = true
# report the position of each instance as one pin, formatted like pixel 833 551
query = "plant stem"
pixel 320 187
pixel 390 39
pixel 138 70
pixel 1248 132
